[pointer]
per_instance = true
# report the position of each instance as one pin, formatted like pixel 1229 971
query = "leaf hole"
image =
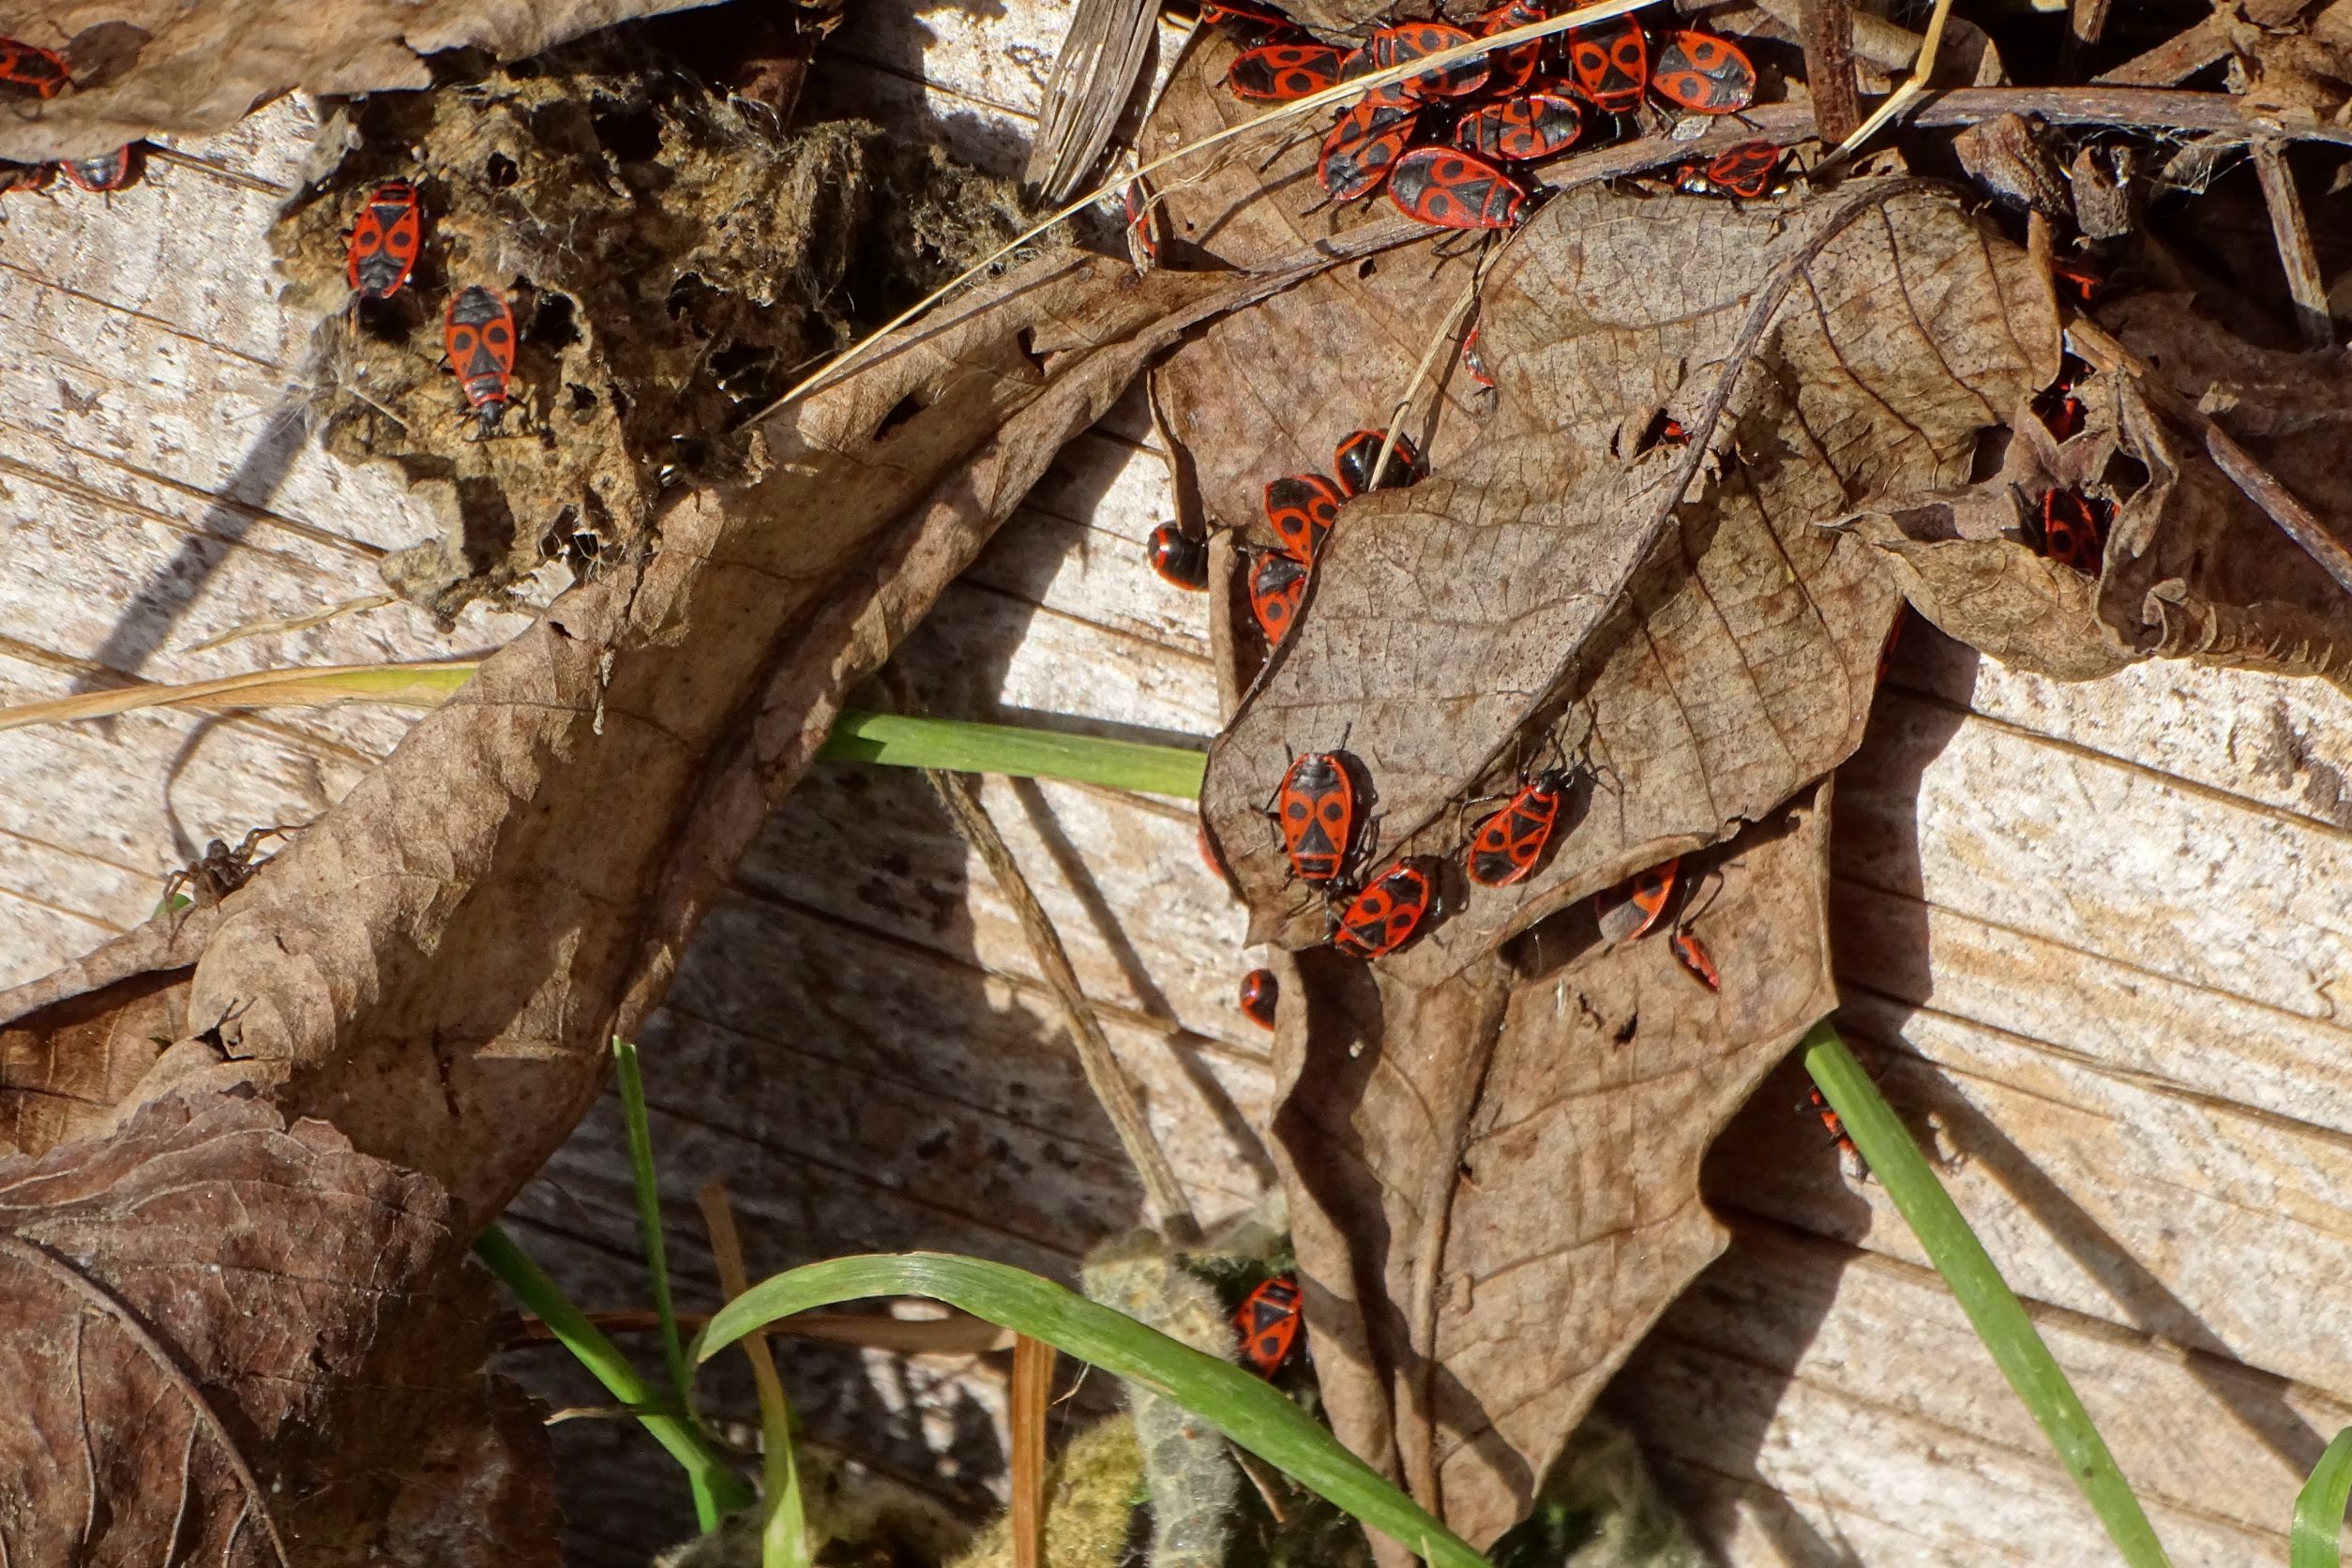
pixel 905 409
pixel 501 171
pixel 553 324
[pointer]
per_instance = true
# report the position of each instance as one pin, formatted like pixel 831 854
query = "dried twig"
pixel 1828 27
pixel 2292 234
pixel 784 1528
pixel 1163 1194
pixel 2175 60
pixel 2257 483
pixel 2090 19
pixel 1025 1420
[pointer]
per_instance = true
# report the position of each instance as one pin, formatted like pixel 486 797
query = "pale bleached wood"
pixel 1853 1386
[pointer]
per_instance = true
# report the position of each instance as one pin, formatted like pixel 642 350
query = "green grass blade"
pixel 2319 1508
pixel 1000 748
pixel 632 1086
pixel 1242 1407
pixel 1999 1319
pixel 604 1360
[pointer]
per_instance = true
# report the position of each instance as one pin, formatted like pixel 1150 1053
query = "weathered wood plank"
pixel 1854 1388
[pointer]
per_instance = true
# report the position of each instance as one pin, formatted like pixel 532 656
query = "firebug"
pixel 2073 530
pixel 1513 68
pixel 1704 74
pixel 1473 362
pixel 1363 145
pixel 1259 991
pixel 1268 1321
pixel 1277 584
pixel 385 241
pixel 28 70
pixel 479 335
pixel 113 170
pixel 1301 507
pixel 1179 558
pixel 1278 72
pixel 1744 171
pixel 1315 805
pixel 1519 130
pixel 1696 958
pixel 1354 457
pixel 1415 40
pixel 1451 189
pixel 1610 62
pixel 1387 914
pixel 1508 844
pixel 1630 909
pixel 2057 405
pixel 1837 1124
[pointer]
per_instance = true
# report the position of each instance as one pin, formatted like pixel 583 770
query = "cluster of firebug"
pixel 1635 907
pixel 1445 143
pixel 29 71
pixel 1315 808
pixel 479 329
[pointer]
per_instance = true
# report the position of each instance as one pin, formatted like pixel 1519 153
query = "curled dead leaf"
pixel 235 1340
pixel 1495 1181
pixel 149 67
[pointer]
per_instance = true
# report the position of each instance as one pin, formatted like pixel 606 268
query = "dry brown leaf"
pixel 436 965
pixel 235 1341
pixel 145 67
pixel 1495 1181
pixel 2193 569
pixel 1857 344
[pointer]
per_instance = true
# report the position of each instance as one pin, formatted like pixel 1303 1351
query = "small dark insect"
pixel 1179 558
pixel 1630 909
pixel 1704 74
pixel 1278 72
pixel 479 335
pixel 1519 129
pixel 1610 62
pixel 1508 844
pixel 1416 41
pixel 1354 457
pixel 115 171
pixel 385 241
pixel 1259 991
pixel 1387 914
pixel 1696 958
pixel 28 70
pixel 1269 1321
pixel 1301 507
pixel 1451 189
pixel 1316 805
pixel 1277 584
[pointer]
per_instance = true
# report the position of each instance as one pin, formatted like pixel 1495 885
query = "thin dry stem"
pixel 1828 29
pixel 1025 1418
pixel 1448 331
pixel 2291 232
pixel 1163 1194
pixel 1903 96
